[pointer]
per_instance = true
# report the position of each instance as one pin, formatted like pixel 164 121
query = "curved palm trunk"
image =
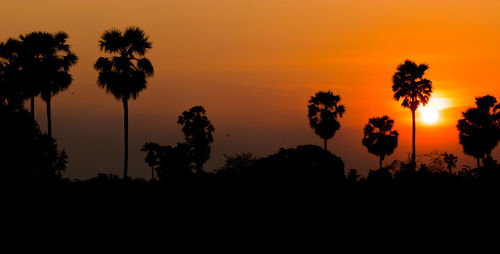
pixel 33 107
pixel 477 162
pixel 125 126
pixel 152 173
pixel 49 119
pixel 413 139
pixel 381 159
pixel 324 146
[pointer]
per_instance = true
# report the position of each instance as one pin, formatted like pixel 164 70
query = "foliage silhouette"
pixel 124 73
pixel 379 137
pixel 451 161
pixel 410 85
pixel 174 162
pixel 198 134
pixel 479 129
pixel 323 111
pixel 237 164
pixel 153 151
pixel 25 153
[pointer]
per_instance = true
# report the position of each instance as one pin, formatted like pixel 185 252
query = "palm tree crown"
pixel 323 111
pixel 409 84
pixel 124 73
pixel 379 137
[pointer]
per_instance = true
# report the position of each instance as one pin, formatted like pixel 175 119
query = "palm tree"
pixel 11 93
pixel 450 160
pixel 124 73
pixel 379 137
pixel 198 133
pixel 152 155
pixel 410 85
pixel 324 109
pixel 57 59
pixel 35 47
pixel 479 130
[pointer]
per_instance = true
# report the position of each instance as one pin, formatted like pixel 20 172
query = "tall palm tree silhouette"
pixel 410 85
pixel 323 111
pixel 379 137
pixel 57 59
pixel 35 47
pixel 124 73
pixel 479 130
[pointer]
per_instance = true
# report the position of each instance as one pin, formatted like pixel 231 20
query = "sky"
pixel 254 64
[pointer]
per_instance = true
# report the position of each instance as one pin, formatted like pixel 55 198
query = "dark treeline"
pixel 38 64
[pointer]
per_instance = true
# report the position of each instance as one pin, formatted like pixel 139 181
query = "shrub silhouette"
pixel 379 137
pixel 303 163
pixel 25 153
pixel 124 73
pixel 323 111
pixel 410 85
pixel 479 129
pixel 198 134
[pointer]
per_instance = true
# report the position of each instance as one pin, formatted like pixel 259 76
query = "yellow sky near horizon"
pixel 254 64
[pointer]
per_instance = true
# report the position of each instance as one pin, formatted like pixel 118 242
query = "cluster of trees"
pixel 38 64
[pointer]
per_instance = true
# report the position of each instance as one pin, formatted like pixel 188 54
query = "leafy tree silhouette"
pixel 479 129
pixel 450 160
pixel 124 73
pixel 153 151
pixel 198 133
pixel 410 85
pixel 379 137
pixel 323 111
pixel 57 58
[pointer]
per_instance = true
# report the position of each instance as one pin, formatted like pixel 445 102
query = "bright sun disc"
pixel 429 115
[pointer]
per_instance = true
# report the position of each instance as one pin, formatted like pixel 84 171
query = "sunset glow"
pixel 429 115
pixel 254 65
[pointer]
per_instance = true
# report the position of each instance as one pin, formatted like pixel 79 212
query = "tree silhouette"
pixel 198 133
pixel 450 160
pixel 479 130
pixel 153 152
pixel 324 109
pixel 124 73
pixel 379 137
pixel 56 60
pixel 410 85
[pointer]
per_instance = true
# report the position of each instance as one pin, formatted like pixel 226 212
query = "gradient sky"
pixel 254 64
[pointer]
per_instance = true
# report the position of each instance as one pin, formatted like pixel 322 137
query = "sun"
pixel 429 115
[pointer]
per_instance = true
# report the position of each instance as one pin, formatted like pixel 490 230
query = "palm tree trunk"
pixel 477 162
pixel 49 119
pixel 413 139
pixel 324 146
pixel 125 126
pixel 152 173
pixel 33 107
pixel 381 159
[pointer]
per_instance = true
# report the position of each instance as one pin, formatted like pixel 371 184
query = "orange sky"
pixel 254 64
